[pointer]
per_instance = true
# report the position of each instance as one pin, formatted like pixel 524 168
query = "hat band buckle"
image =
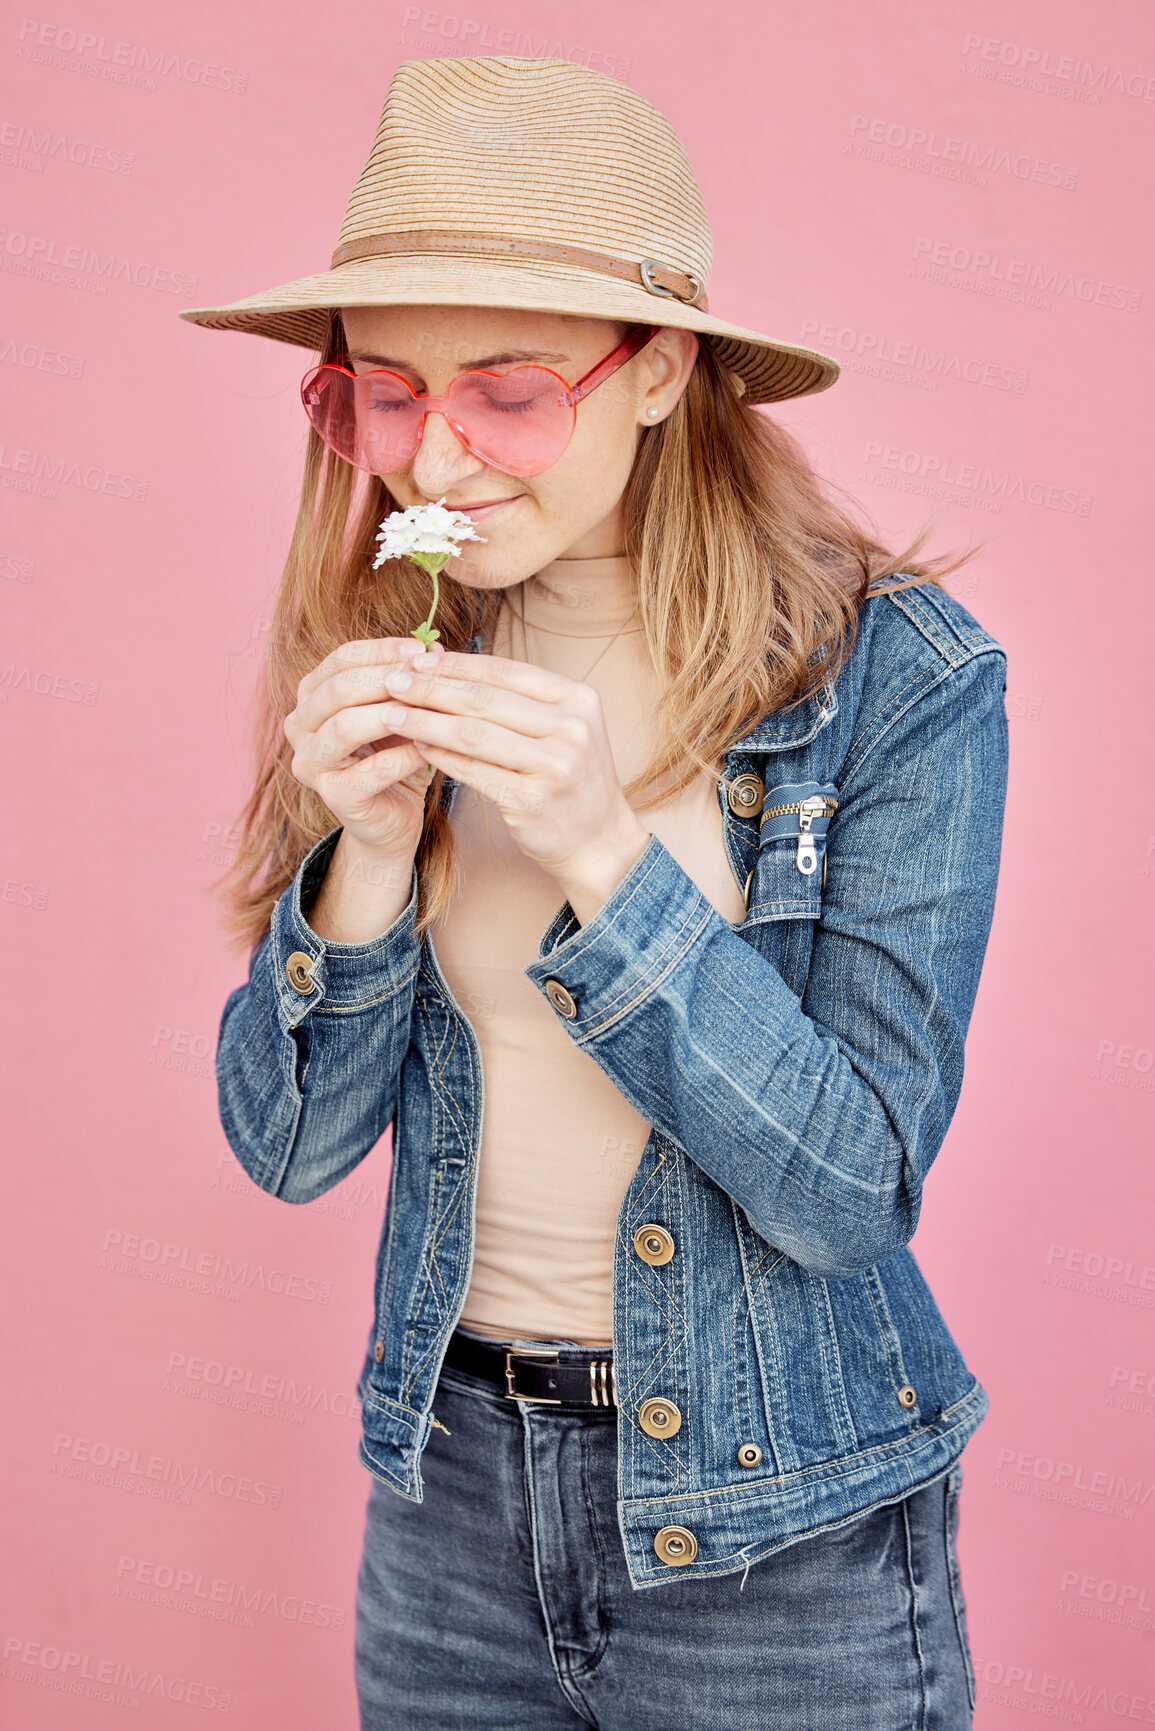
pixel 648 267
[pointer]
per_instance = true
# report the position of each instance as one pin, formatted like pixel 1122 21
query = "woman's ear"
pixel 672 355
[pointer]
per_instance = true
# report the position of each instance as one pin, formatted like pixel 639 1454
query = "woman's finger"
pixel 519 712
pixel 522 677
pixel 367 776
pixel 500 787
pixel 362 653
pixel 335 742
pixel 472 737
pixel 346 686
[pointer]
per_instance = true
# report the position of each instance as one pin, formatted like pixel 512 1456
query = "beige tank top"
pixel 559 1143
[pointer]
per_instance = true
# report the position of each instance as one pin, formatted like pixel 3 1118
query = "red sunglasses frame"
pixel 574 394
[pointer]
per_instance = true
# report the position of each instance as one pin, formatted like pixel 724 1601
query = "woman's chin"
pixel 492 573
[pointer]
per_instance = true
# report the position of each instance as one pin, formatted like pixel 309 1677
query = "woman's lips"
pixel 485 511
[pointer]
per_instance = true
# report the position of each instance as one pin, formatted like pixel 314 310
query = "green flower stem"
pixel 431 562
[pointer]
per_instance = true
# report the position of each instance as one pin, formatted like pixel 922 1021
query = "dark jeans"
pixel 502 1600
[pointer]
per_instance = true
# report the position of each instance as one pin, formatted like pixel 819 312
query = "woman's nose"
pixel 441 460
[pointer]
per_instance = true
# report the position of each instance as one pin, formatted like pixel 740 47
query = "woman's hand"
pixel 373 781
pixel 533 744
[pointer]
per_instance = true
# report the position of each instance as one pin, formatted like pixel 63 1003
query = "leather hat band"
pixel 657 279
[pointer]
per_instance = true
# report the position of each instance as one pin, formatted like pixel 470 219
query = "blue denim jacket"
pixel 798 1068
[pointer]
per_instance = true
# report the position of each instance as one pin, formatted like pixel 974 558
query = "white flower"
pixel 428 529
pixel 426 534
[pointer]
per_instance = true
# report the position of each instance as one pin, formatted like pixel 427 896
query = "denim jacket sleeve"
pixel 307 1082
pixel 819 1116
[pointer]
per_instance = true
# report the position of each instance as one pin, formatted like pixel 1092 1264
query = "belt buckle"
pixel 510 1377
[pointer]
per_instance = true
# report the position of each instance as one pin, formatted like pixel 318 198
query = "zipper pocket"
pixel 818 805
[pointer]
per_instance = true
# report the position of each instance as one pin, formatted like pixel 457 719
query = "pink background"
pixel 949 197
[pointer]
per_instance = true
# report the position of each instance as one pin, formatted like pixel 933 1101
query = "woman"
pixel 648 906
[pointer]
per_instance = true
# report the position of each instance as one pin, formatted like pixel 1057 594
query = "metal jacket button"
pixel 749 1454
pixel 907 1395
pixel 560 998
pixel 745 795
pixel 379 1351
pixel 676 1545
pixel 297 967
pixel 653 1244
pixel 659 1418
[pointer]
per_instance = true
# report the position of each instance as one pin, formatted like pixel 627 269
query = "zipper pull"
pixel 439 1425
pixel 808 810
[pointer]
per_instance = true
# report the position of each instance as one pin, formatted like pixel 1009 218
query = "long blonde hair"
pixel 747 568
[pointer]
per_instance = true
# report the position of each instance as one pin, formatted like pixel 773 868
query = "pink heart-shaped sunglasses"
pixel 519 422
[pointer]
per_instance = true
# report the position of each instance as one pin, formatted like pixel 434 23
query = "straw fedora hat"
pixel 510 182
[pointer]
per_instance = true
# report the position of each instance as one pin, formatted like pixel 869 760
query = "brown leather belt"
pixel 655 276
pixel 582 1377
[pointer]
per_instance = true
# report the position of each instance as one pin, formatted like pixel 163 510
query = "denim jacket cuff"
pixel 342 976
pixel 637 937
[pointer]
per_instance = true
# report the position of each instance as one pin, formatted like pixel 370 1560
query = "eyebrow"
pixel 469 366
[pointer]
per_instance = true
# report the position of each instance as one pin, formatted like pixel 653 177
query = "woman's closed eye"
pixel 516 406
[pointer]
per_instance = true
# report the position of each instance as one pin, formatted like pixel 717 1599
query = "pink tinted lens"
pixel 373 421
pixel 519 423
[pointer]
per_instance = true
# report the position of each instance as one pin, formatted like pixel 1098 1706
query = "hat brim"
pixel 295 312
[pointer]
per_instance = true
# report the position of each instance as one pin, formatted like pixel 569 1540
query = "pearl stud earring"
pixel 651 413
